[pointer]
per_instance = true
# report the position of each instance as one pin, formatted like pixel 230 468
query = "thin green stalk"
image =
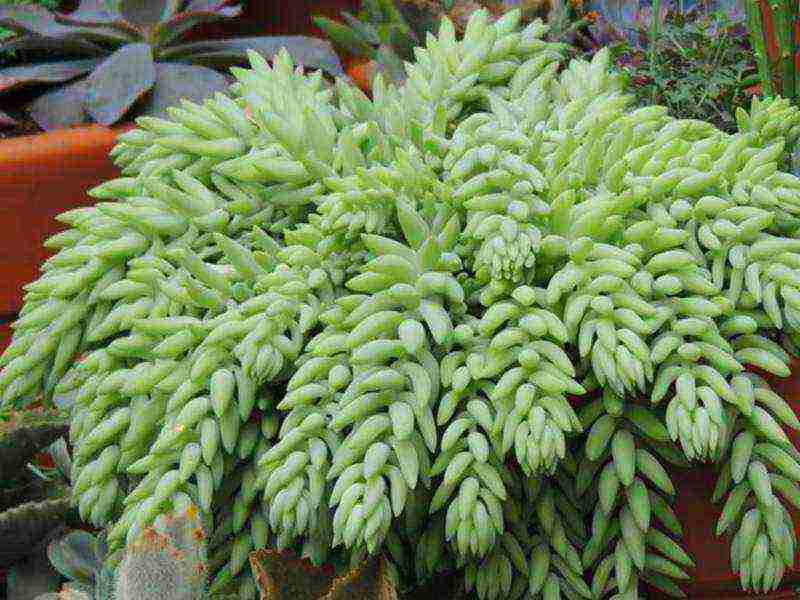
pixel 781 12
pixel 756 28
pixel 654 29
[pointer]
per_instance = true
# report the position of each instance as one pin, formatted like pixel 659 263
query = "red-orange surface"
pixel 40 177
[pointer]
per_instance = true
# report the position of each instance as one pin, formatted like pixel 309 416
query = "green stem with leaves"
pixel 755 22
pixel 654 31
pixel 783 15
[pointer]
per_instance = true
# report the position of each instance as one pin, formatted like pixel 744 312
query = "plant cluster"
pixel 387 31
pixel 465 323
pixel 108 59
pixel 167 561
pixel 776 56
pixel 48 4
pixel 699 63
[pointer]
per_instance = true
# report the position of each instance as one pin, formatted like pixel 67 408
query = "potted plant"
pixel 381 36
pixel 114 65
pixel 367 302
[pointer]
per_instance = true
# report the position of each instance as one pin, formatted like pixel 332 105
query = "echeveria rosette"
pixel 116 58
pixel 316 316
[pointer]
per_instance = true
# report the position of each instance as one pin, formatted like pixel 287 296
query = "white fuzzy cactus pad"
pixel 465 323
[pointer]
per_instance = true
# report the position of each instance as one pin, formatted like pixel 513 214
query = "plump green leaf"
pixel 310 52
pixel 62 107
pixel 122 79
pixel 12 78
pixel 175 81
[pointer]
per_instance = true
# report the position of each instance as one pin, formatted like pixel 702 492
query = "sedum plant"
pixel 111 59
pixel 386 31
pixel 468 324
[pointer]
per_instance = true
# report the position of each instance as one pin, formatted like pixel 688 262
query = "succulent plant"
pixel 131 56
pixel 79 556
pixel 33 504
pixel 166 562
pixel 465 324
pixel 386 31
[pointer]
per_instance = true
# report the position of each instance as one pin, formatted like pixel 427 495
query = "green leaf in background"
pixel 344 37
pixel 365 30
pixel 390 64
pixel 122 79
pixel 74 556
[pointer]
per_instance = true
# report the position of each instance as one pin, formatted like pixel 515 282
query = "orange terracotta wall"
pixel 40 177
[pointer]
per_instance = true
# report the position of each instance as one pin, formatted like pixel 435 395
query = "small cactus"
pixel 31 507
pixel 166 562
pixel 24 434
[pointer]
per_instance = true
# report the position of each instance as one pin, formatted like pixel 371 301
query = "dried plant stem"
pixel 755 22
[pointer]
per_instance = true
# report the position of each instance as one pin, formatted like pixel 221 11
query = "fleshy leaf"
pixel 62 107
pixel 310 52
pixel 62 46
pixel 365 30
pixel 344 36
pixel 12 78
pixel 22 528
pixel 172 29
pixel 143 13
pixel 38 21
pixel 25 434
pixel 95 11
pixel 74 556
pixel 122 79
pixel 175 81
pixel 389 63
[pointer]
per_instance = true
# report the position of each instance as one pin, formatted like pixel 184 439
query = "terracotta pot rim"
pixel 71 143
pixel 72 130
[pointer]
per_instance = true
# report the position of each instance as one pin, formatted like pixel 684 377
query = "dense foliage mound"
pixel 466 322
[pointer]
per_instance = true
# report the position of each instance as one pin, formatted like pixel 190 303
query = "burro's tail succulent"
pixel 466 323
